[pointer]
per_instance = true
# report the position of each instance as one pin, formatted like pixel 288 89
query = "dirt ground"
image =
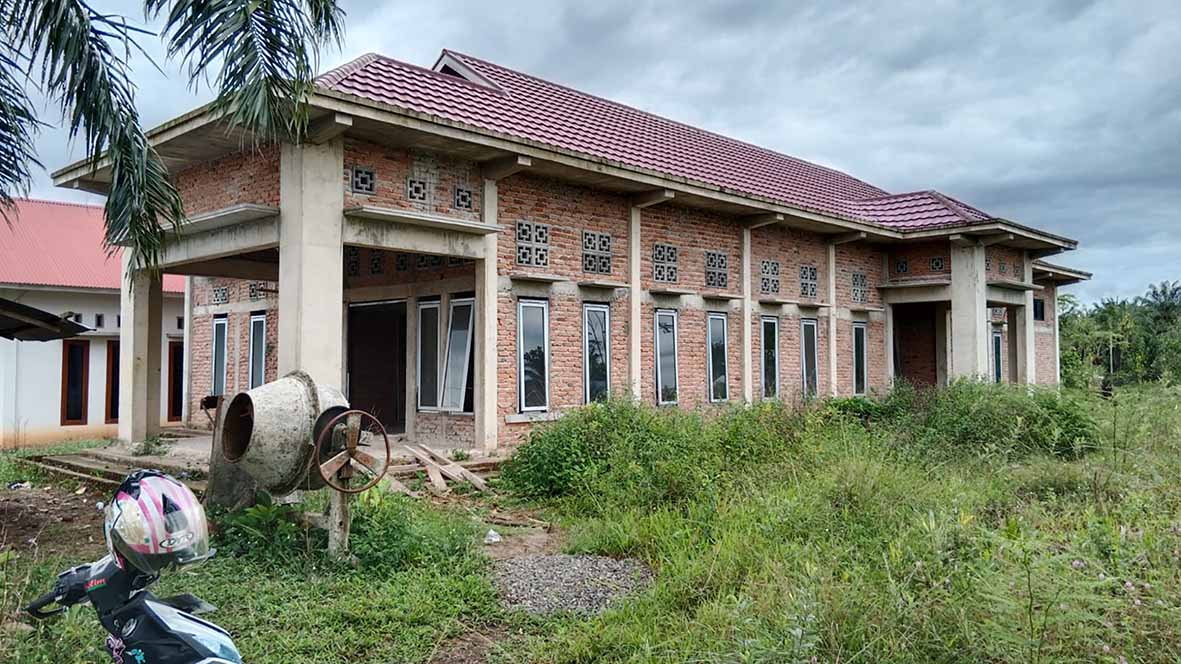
pixel 471 648
pixel 46 519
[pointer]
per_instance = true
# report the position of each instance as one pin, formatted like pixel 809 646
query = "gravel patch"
pixel 546 584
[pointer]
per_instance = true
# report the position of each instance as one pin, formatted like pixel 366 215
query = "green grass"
pixel 980 524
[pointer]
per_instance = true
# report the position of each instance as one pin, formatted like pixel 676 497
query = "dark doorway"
pixel 75 380
pixel 176 380
pixel 377 361
pixel 112 382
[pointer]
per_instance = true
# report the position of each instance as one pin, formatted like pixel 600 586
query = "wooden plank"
pixel 438 484
pixel 464 473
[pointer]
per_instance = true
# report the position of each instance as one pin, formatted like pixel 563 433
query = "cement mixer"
pixel 296 434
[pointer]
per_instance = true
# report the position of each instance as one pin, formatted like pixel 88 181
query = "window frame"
pixel 863 328
pixel 605 309
pixel 224 322
pixel 467 357
pixel 763 320
pixel 815 325
pixel 676 354
pixel 437 306
pixel 522 304
pixel 1042 302
pixel 710 317
pixel 112 387
pixel 256 317
pixel 65 382
pixel 998 365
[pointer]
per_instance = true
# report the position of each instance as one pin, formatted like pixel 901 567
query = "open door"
pixel 176 380
pixel 377 361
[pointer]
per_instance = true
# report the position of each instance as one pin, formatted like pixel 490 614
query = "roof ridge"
pixel 373 57
pixel 338 74
pixel 957 207
pixel 49 201
pixel 686 125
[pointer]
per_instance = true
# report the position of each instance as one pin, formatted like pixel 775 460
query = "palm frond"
pixel 18 128
pixel 83 57
pixel 265 51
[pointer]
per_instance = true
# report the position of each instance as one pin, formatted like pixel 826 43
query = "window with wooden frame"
pixel 666 356
pixel 218 365
pixel 860 359
pixel 716 349
pixel 258 349
pixel 428 355
pixel 75 381
pixel 111 408
pixel 596 346
pixel 533 355
pixel 770 340
pixel 808 356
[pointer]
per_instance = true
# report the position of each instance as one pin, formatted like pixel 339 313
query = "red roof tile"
pixel 526 107
pixel 52 243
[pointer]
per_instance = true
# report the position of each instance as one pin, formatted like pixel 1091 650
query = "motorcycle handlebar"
pixel 35 608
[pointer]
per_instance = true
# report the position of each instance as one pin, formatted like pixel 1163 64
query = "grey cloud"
pixel 1063 115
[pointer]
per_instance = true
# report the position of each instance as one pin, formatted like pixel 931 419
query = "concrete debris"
pixel 20 485
pixel 492 537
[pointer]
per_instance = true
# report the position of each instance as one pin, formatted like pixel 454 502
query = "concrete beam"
pixel 413 239
pixel 235 268
pixel 979 240
pixel 650 198
pixel 499 169
pixel 761 220
pixel 221 243
pixel 324 129
pixel 849 237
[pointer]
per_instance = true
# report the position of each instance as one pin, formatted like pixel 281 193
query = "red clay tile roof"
pixel 526 107
pixel 51 243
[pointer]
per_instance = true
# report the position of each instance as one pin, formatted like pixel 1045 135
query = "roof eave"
pixel 1059 274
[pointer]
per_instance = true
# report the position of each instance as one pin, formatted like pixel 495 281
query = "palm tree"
pixel 262 53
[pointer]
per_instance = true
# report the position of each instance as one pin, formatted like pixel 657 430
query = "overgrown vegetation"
pixel 983 523
pixel 1122 342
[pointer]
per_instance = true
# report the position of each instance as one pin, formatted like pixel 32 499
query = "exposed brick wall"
pixel 1045 338
pixel 921 260
pixel 395 167
pixel 914 329
pixel 692 232
pixel 1005 263
pixel 244 177
pixel 858 257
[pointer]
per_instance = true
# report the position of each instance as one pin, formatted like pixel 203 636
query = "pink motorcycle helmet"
pixel 154 523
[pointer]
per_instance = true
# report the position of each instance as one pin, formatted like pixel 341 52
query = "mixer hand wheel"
pixel 348 443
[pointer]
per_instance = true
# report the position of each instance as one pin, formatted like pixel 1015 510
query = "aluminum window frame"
pixel 521 306
pixel 676 355
pixel 774 320
pixel 709 355
pixel 998 364
pixel 605 309
pixel 815 325
pixel 862 328
pixel 224 322
pixel 437 306
pixel 467 357
pixel 256 318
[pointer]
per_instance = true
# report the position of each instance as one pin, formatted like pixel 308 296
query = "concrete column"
pixel 942 342
pixel 187 353
pixel 311 270
pixel 141 306
pixel 1028 337
pixel 635 292
pixel 1057 344
pixel 1021 367
pixel 832 319
pixel 969 311
pixel 747 322
pixel 485 398
pixel 412 365
pixel 889 341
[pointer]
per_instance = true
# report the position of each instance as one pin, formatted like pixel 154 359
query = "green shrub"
pixel 391 532
pixel 265 532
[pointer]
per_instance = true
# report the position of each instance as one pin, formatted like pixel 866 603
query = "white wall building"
pixel 52 258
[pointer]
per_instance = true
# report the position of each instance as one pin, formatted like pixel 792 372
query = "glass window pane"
pixel 458 340
pixel 597 354
pixel 75 359
pixel 219 357
pixel 996 357
pixel 859 359
pixel 809 355
pixel 258 335
pixel 770 358
pixel 428 356
pixel 533 360
pixel 717 358
pixel 666 350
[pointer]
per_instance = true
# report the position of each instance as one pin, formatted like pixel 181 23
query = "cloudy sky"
pixel 1063 115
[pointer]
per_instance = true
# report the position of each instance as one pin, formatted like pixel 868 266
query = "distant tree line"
pixel 1122 341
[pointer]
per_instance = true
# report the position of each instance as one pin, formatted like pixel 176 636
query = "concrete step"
pixel 106 472
pixel 133 462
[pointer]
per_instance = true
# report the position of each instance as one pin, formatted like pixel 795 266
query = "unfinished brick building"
pixel 467 250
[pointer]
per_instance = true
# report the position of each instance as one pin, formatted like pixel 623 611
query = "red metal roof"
pixel 51 243
pixel 523 106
